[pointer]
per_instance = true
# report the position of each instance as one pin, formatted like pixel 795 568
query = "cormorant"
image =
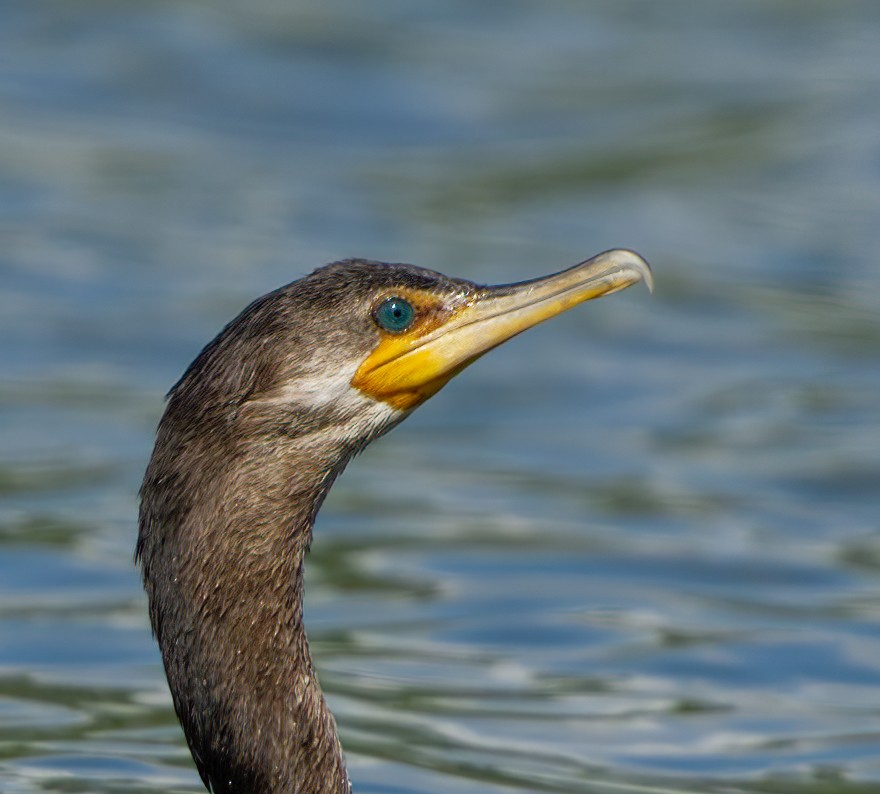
pixel 252 438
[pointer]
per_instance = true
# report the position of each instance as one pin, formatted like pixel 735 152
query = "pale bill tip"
pixel 631 263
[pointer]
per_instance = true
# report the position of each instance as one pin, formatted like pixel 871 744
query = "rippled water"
pixel 635 550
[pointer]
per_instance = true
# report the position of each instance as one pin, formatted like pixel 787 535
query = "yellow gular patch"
pixel 401 370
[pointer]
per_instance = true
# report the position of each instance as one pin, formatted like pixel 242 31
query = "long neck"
pixel 223 535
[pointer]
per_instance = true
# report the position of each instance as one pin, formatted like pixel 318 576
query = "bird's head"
pixel 349 350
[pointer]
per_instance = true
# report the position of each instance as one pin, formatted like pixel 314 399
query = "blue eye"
pixel 395 315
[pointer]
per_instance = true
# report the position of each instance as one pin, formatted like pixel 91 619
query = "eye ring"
pixel 394 314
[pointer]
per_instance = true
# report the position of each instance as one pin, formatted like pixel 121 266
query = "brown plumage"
pixel 252 438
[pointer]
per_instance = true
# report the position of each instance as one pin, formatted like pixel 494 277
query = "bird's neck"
pixel 224 572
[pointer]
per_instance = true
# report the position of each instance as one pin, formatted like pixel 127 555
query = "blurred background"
pixel 635 550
